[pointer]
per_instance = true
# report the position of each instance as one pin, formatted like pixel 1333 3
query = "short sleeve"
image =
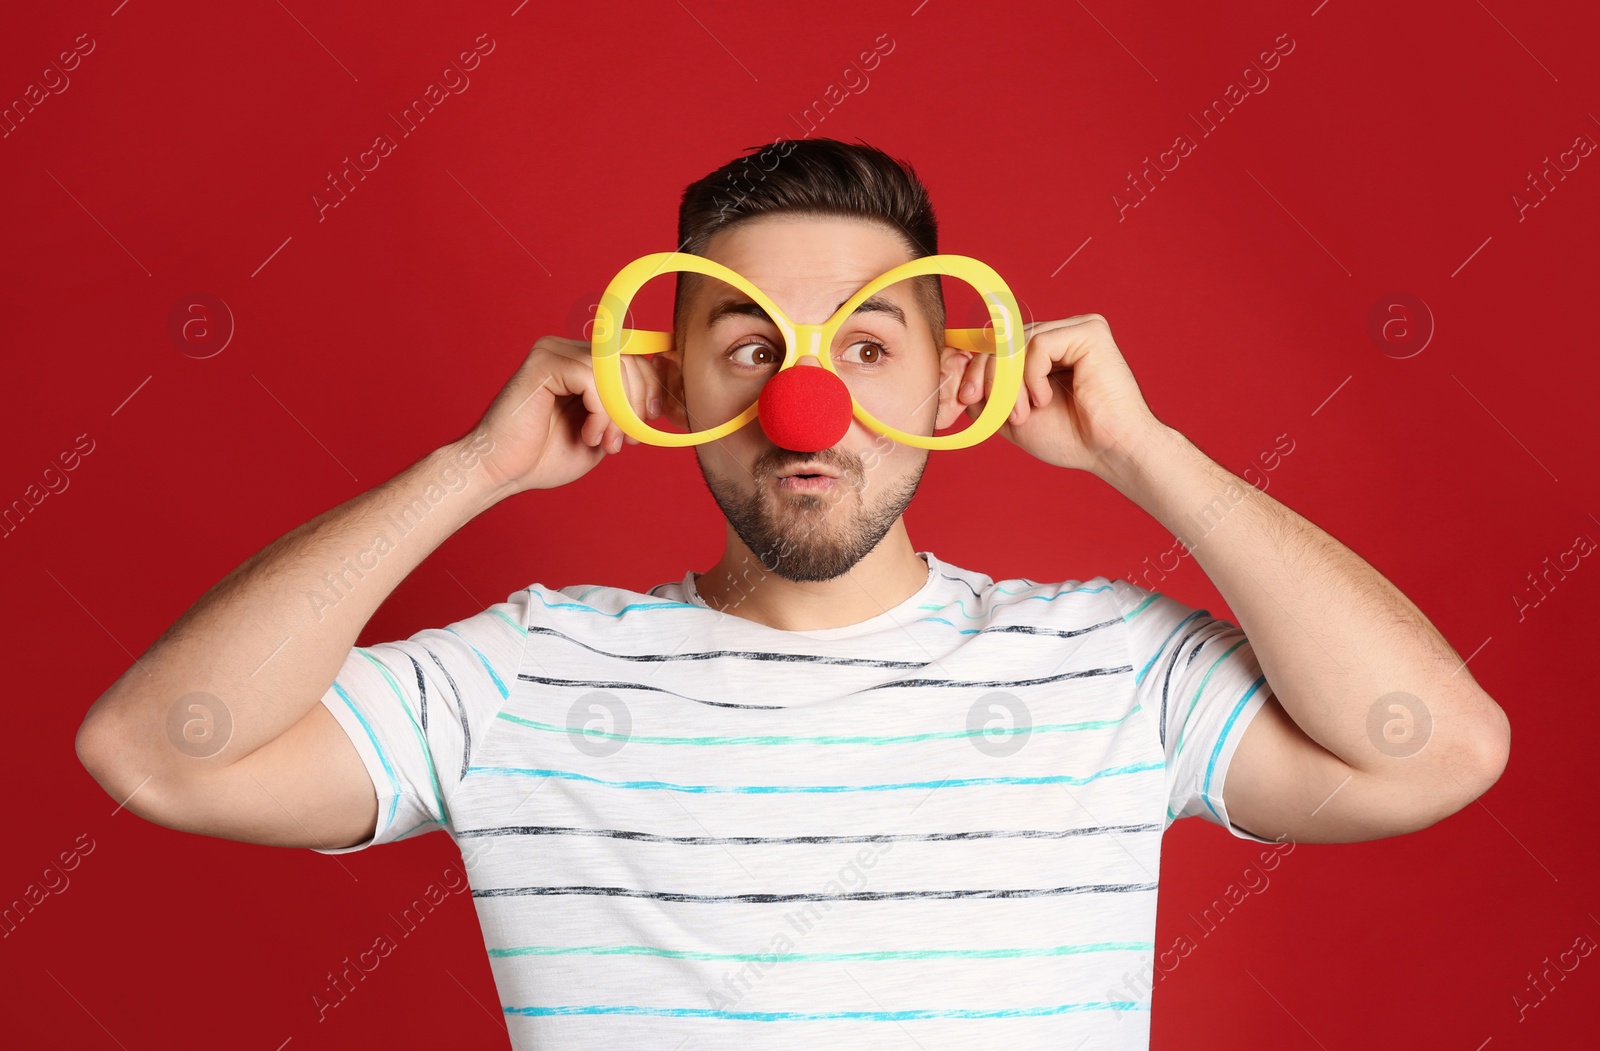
pixel 413 709
pixel 1198 675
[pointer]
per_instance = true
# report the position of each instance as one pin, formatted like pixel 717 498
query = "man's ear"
pixel 952 367
pixel 669 367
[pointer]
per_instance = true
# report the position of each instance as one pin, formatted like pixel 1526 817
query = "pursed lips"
pixel 807 476
pixel 809 471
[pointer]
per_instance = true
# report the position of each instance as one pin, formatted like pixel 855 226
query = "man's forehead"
pixel 729 303
pixel 785 254
pixel 815 287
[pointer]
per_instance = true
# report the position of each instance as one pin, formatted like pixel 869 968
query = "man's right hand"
pixel 548 426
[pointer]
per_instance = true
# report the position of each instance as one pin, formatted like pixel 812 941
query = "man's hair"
pixel 820 178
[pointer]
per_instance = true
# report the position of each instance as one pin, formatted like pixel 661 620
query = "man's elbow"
pixel 1453 783
pixel 1479 764
pixel 100 757
pixel 1491 752
pixel 107 753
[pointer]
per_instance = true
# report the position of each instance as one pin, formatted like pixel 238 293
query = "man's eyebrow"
pixel 736 308
pixel 880 304
pixel 746 308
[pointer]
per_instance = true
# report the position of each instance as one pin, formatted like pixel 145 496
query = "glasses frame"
pixel 610 340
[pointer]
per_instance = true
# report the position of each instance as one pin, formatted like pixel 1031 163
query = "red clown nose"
pixel 805 408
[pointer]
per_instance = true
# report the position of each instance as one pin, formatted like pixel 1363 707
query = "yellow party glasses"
pixel 887 386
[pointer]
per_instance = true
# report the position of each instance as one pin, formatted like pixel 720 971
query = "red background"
pixel 1382 158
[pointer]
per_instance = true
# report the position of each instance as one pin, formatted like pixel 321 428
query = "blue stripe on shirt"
pixel 811 1016
pixel 394 784
pixel 949 782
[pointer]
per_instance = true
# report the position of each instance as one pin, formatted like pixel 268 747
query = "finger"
pixel 613 437
pixel 1036 368
pixel 985 380
pixel 636 383
pixel 971 389
pixel 567 378
pixel 954 379
pixel 567 369
pixel 630 384
pixel 577 377
pixel 1019 408
pixel 654 390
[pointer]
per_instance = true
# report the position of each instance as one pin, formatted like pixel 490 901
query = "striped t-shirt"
pixel 938 828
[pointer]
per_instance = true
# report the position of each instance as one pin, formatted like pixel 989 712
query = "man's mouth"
pixel 810 471
pixel 807 481
pixel 809 478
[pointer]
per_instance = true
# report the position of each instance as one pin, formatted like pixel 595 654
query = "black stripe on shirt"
pixel 860 895
pixel 867 837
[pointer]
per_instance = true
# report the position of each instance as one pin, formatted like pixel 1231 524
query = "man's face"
pixel 809 266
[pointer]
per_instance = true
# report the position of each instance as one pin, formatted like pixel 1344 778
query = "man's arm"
pixel 260 649
pixel 219 728
pixel 1359 676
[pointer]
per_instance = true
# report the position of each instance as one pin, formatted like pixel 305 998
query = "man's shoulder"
pixel 1027 598
pixel 579 600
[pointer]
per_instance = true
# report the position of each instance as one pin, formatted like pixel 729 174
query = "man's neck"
pixel 740 586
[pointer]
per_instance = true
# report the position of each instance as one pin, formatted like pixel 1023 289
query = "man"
pixel 834 791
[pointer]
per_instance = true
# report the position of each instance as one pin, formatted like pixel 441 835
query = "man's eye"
pixel 871 352
pixel 759 354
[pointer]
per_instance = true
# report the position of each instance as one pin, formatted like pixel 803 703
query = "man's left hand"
pixel 1079 406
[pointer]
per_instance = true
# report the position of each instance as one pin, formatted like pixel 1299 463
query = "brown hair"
pixel 815 177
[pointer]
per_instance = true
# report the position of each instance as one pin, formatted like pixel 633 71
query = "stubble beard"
pixel 797 535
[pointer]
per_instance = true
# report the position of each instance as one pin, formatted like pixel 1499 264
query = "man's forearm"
pixel 270 636
pixel 1333 637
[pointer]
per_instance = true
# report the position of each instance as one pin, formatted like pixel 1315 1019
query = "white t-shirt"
pixel 683 828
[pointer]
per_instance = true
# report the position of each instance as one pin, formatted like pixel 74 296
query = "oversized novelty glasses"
pixel 887 386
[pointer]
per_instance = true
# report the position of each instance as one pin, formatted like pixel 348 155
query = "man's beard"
pixel 790 533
